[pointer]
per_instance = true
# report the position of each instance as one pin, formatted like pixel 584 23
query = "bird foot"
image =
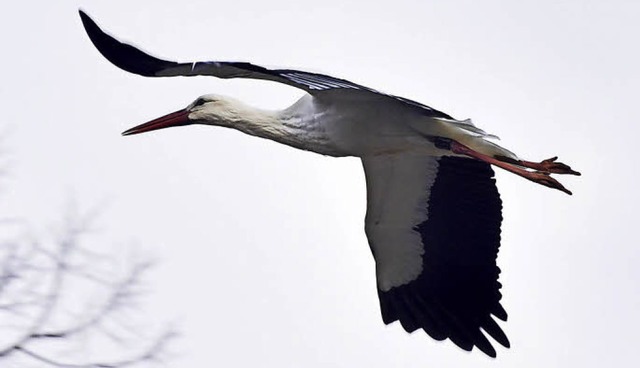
pixel 551 166
pixel 544 178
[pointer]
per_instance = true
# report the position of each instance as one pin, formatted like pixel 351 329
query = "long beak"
pixel 178 118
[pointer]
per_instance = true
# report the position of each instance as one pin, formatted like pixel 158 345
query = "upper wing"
pixel 433 225
pixel 135 61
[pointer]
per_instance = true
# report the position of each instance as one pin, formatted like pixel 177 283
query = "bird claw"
pixel 551 166
pixel 544 178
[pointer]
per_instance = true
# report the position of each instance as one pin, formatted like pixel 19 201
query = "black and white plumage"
pixel 433 209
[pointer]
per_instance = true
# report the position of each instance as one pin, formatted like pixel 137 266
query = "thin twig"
pixel 149 354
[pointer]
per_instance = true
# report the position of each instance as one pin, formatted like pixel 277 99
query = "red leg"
pixel 541 177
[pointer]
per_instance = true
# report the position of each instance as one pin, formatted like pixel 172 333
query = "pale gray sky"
pixel 264 261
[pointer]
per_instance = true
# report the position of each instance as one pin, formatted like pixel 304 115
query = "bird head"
pixel 207 109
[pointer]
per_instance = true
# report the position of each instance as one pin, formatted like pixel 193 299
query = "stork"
pixel 433 210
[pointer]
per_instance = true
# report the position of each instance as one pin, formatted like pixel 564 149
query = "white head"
pixel 208 109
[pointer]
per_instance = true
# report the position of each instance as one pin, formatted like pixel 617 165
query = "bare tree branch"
pixel 150 354
pixel 117 297
pixel 43 318
pixel 35 279
pixel 48 307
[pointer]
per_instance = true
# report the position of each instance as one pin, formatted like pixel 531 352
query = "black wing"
pixel 135 61
pixel 434 228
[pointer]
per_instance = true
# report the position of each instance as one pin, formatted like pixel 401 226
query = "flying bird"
pixel 433 210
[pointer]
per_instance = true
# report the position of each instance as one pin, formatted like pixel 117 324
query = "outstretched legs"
pixel 541 170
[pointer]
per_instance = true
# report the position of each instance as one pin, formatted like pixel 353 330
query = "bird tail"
pixel 467 125
pixel 465 132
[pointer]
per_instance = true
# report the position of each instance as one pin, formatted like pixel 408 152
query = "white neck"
pixel 294 126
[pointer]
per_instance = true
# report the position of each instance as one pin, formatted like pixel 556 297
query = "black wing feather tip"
pixel 484 345
pixel 492 328
pixel 421 314
pixel 499 312
pixel 122 55
pixel 408 318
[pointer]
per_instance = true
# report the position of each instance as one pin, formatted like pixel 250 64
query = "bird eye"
pixel 199 102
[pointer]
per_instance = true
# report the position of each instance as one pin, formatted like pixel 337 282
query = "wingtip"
pixel 90 26
pixel 122 55
pixel 86 19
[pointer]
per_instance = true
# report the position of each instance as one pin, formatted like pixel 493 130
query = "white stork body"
pixel 347 123
pixel 433 210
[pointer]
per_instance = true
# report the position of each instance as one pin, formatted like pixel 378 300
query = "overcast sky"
pixel 263 256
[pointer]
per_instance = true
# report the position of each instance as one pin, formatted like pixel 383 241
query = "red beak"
pixel 178 118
